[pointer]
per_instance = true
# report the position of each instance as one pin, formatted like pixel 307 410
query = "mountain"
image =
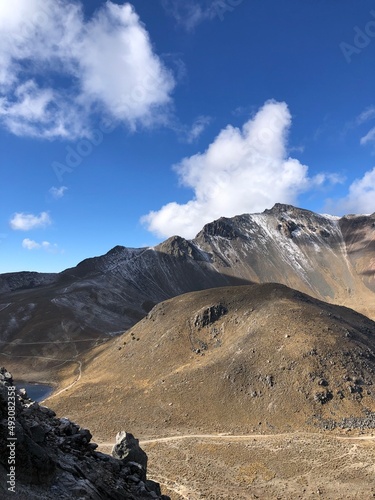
pixel 46 319
pixel 255 391
pixel 327 257
pixel 279 359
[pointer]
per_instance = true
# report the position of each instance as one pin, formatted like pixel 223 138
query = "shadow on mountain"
pixel 42 327
pixel 46 319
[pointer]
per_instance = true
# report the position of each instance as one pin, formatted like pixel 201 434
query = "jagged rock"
pixel 287 227
pixel 55 458
pixel 360 423
pixel 127 450
pixel 22 392
pixel 181 248
pixel 209 315
pixel 67 427
pixel 323 397
pixel 5 376
pixel 222 227
pixel 38 433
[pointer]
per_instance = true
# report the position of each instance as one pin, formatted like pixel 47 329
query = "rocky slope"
pixel 46 319
pixel 256 358
pixel 45 457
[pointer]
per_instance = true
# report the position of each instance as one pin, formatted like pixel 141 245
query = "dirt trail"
pixel 289 466
pixel 238 437
pixel 79 363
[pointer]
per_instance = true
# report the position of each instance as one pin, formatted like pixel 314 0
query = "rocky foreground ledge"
pixel 45 457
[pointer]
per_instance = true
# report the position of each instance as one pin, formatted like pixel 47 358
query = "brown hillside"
pixel 257 358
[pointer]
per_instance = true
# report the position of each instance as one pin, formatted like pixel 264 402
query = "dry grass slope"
pixel 257 358
pixel 262 361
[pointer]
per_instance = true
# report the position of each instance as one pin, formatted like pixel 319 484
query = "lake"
pixel 37 392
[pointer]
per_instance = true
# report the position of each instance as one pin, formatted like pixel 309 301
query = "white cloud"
pixel 243 170
pixel 30 244
pixel 366 115
pixel 25 222
pixel 297 149
pixel 58 69
pixel 44 245
pixel 58 193
pixel 369 137
pixel 189 13
pixel 335 178
pixel 191 133
pixel 360 198
pixel 197 128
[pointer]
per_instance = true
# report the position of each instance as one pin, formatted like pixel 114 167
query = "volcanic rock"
pixel 55 459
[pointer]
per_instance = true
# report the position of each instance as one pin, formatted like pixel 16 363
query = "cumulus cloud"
pixel 243 170
pixel 58 193
pixel 360 197
pixel 44 245
pixel 25 222
pixel 30 244
pixel 57 69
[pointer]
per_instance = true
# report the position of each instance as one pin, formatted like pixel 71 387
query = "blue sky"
pixel 123 124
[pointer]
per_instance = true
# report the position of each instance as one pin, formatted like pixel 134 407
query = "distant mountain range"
pixel 50 317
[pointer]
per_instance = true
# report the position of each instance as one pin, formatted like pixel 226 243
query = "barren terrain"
pixel 286 466
pixel 244 392
pixel 50 320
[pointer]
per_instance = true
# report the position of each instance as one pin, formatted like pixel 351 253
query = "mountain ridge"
pixel 327 257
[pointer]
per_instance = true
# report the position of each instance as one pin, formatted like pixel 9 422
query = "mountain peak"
pixel 280 208
pixel 176 246
pixel 116 250
pixel 223 227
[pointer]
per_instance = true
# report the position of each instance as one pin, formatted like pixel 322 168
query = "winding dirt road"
pixel 79 363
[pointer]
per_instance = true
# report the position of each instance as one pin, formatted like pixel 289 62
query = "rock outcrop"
pixel 45 457
pixel 208 315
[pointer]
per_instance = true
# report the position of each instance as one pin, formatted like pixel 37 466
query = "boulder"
pixel 127 450
pixel 55 458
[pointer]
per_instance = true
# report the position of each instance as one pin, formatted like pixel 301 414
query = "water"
pixel 37 392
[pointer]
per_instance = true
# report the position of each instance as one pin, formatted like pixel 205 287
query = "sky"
pixel 127 123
